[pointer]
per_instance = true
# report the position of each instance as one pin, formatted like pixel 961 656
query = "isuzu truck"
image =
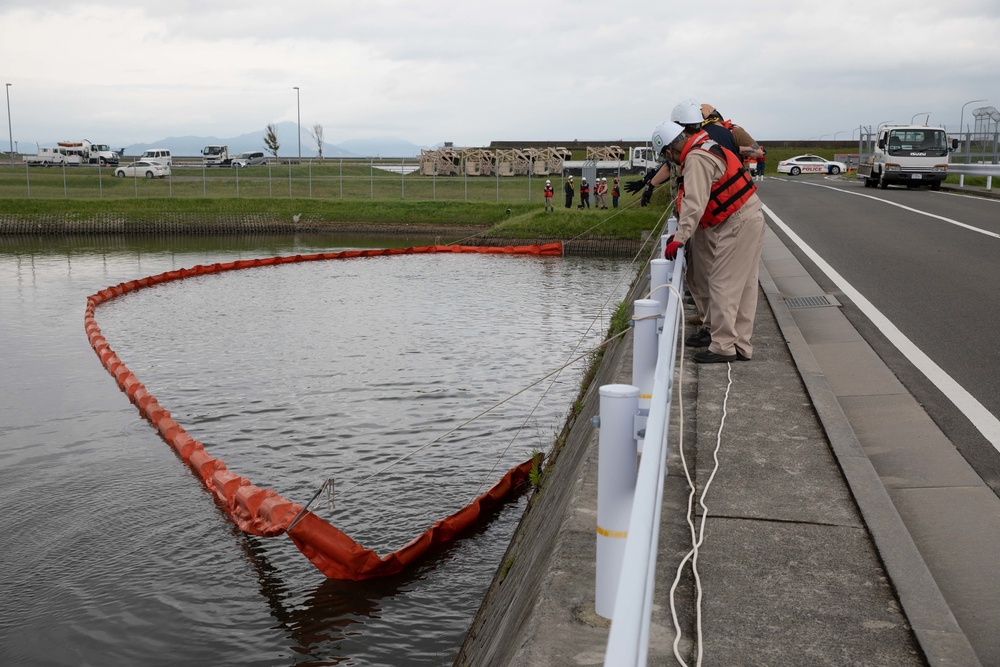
pixel 910 155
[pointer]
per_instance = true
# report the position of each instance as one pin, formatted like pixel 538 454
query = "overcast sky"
pixel 427 71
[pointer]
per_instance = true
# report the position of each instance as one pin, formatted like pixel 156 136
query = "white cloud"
pixel 430 71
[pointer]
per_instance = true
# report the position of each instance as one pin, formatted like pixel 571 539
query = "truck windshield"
pixel 212 150
pixel 918 142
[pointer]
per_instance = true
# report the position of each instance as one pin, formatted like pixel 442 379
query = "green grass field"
pixel 334 192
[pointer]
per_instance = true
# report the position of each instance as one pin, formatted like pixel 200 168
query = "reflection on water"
pixel 114 552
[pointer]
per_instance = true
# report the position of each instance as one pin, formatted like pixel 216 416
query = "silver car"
pixel 248 159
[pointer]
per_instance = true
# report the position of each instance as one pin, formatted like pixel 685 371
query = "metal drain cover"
pixel 812 301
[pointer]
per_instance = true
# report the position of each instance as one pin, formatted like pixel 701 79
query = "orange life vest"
pixel 730 192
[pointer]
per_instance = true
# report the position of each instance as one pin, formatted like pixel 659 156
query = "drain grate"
pixel 812 301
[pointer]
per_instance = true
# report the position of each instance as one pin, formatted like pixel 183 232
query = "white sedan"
pixel 144 168
pixel 810 163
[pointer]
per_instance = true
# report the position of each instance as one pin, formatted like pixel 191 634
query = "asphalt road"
pixel 926 261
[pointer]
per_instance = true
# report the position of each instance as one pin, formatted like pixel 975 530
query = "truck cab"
pixel 910 155
pixel 215 156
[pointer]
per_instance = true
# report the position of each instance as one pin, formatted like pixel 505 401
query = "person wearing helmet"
pixel 584 194
pixel 718 198
pixel 615 193
pixel 568 189
pixel 748 148
pixel 548 196
pixel 602 196
pixel 689 114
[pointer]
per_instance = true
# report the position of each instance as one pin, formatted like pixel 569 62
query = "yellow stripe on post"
pixel 619 534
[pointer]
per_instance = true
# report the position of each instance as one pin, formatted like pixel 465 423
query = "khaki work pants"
pixel 733 250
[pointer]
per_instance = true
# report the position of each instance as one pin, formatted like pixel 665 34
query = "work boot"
pixel 702 338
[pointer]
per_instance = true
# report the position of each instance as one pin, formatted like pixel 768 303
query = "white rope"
pixel 697 535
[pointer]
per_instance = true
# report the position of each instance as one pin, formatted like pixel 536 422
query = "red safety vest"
pixel 730 192
pixel 548 190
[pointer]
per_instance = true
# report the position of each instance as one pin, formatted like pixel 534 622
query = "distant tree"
pixel 271 139
pixel 317 135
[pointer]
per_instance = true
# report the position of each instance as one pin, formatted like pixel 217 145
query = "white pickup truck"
pixel 47 156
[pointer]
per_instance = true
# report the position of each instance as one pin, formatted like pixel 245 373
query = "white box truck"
pixel 910 155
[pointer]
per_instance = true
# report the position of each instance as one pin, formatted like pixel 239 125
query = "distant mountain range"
pixel 289 145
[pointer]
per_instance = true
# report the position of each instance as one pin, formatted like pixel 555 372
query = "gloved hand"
pixel 647 194
pixel 672 247
pixel 635 185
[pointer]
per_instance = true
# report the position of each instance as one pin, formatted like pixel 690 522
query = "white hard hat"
pixel 664 135
pixel 605 178
pixel 687 112
pixel 548 182
pixel 584 178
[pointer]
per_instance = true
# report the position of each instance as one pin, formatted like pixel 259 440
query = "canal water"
pixel 113 552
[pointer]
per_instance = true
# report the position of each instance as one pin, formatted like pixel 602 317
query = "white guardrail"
pixel 987 170
pixel 630 560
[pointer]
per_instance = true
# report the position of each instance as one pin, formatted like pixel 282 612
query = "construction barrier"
pixel 263 512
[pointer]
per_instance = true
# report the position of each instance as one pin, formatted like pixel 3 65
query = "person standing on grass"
pixel 548 196
pixel 615 193
pixel 568 189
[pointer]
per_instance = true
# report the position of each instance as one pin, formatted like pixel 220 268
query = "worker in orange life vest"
pixel 584 194
pixel 548 196
pixel 615 193
pixel 718 196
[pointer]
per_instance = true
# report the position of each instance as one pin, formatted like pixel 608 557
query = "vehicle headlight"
pixel 940 167
pixel 891 167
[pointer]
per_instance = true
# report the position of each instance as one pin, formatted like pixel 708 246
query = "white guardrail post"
pixel 628 639
pixel 616 471
pixel 644 344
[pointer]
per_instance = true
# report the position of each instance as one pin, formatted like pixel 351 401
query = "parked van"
pixel 161 155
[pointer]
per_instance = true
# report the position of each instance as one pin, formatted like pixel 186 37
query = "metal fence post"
pixel 616 475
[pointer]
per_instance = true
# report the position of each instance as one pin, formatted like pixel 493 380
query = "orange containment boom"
pixel 263 512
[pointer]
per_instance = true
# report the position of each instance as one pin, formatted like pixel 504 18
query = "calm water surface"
pixel 113 551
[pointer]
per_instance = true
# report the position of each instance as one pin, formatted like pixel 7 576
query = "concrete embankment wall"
pixel 506 618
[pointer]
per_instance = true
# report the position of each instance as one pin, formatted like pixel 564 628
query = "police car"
pixel 810 164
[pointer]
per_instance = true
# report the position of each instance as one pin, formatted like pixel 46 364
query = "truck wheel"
pixel 794 171
pixel 882 183
pixel 834 170
pixel 936 185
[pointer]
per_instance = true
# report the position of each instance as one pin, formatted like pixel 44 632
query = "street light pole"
pixel 960 122
pixel 11 131
pixel 298 119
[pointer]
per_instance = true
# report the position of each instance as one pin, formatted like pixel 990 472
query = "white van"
pixel 161 155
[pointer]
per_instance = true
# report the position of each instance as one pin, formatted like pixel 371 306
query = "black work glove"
pixel 647 194
pixel 635 185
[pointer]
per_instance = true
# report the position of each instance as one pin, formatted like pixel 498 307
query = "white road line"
pixel 980 417
pixel 907 208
